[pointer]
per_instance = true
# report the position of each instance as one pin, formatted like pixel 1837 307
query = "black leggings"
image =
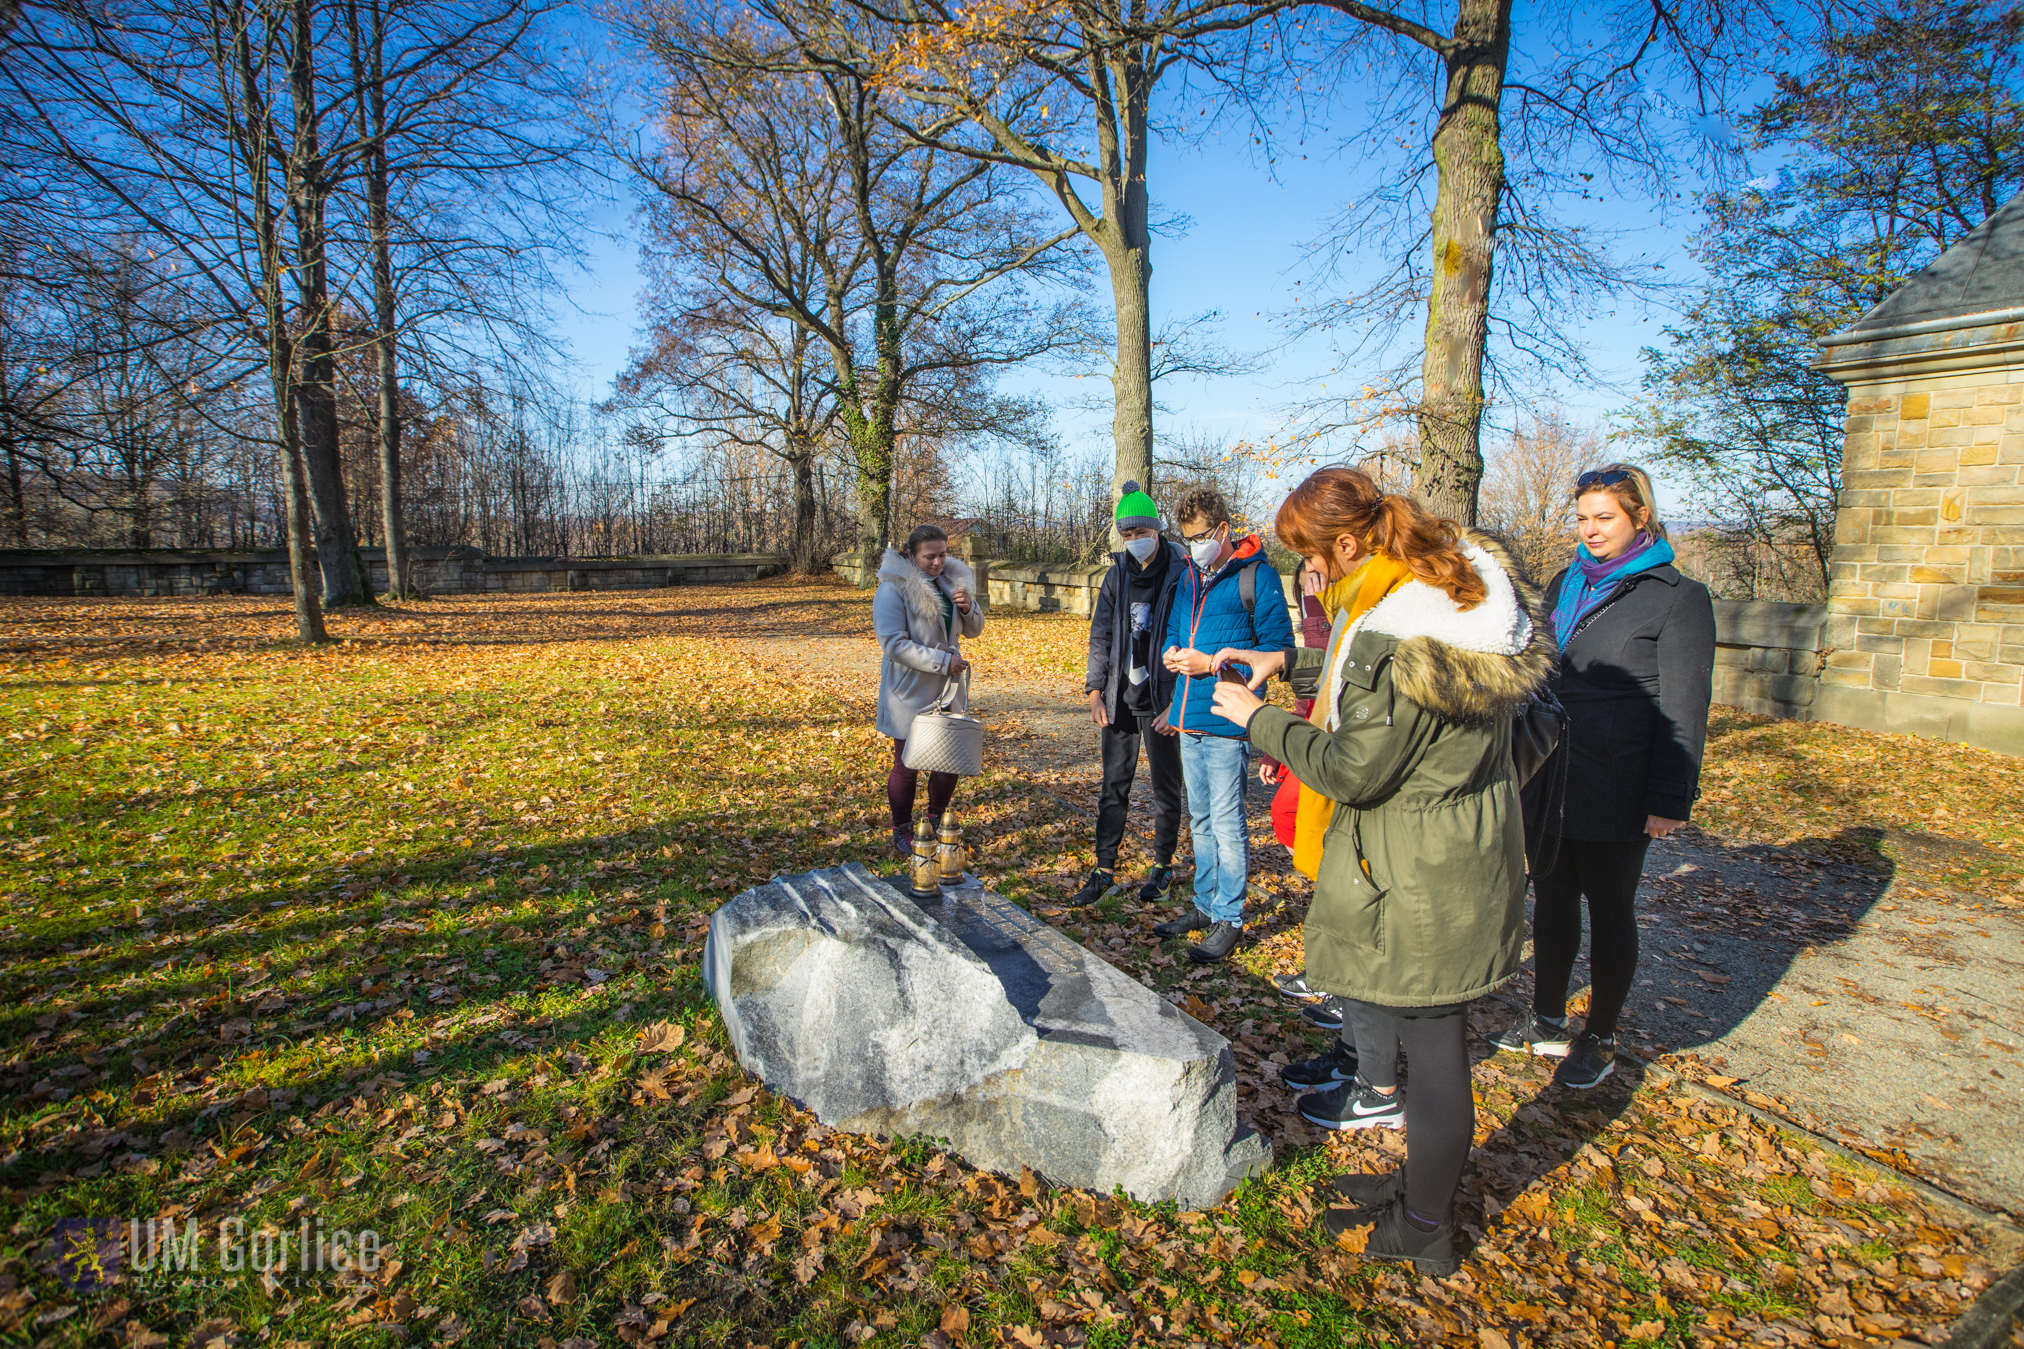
pixel 1440 1108
pixel 1607 873
pixel 901 783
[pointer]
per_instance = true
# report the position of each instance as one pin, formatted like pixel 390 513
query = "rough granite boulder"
pixel 966 1019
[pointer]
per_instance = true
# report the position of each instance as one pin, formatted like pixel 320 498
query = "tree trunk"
pixel 1127 250
pixel 344 576
pixel 308 610
pixel 393 520
pixel 803 549
pixel 1132 416
pixel 371 72
pixel 17 498
pixel 874 460
pixel 255 150
pixel 1464 231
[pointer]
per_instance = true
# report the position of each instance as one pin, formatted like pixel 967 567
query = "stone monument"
pixel 964 1018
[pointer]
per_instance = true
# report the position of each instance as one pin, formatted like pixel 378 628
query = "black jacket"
pixel 1110 633
pixel 1635 679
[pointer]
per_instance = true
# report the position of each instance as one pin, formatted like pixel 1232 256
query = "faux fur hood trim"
pixel 1473 665
pixel 923 596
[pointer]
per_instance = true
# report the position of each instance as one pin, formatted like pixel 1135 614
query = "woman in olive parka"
pixel 1419 904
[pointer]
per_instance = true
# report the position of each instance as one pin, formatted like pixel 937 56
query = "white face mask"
pixel 1142 548
pixel 1205 552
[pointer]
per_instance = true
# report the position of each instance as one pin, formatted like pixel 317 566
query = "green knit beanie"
pixel 1137 510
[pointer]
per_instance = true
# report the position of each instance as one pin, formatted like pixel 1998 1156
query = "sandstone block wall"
pixel 1927 575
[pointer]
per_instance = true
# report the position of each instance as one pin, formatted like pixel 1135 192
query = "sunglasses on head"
pixel 1601 477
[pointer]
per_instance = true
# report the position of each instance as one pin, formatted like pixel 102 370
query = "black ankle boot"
pixel 1396 1238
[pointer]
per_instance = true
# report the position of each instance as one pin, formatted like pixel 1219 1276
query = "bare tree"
pixel 901 261
pixel 1471 230
pixel 732 376
pixel 467 160
pixel 1064 93
pixel 1528 493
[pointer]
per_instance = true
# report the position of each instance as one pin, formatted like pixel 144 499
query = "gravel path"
pixel 1869 1007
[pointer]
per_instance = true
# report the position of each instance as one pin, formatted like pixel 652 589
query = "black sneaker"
pixel 1158 885
pixel 1295 986
pixel 1324 1070
pixel 1222 939
pixel 1324 1015
pixel 1352 1105
pixel 1591 1060
pixel 1099 884
pixel 1367 1194
pixel 1194 920
pixel 903 842
pixel 1534 1034
pixel 1393 1237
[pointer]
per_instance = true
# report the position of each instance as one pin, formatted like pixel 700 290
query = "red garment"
pixel 1285 809
pixel 1314 627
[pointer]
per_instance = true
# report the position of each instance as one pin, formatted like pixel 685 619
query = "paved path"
pixel 1860 1004
pixel 1875 1009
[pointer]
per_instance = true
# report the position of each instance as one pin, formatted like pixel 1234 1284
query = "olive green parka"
pixel 1420 900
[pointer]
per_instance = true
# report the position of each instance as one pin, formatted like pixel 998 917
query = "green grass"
pixel 370 935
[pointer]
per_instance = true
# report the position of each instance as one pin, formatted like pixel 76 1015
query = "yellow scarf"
pixel 1372 581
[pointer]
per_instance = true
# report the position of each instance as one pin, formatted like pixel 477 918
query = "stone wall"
pixel 1056 588
pixel 1768 657
pixel 437 571
pixel 1926 633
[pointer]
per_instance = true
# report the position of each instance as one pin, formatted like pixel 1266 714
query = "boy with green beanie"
pixel 1129 688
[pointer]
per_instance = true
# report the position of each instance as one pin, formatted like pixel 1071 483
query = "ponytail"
pixel 1333 502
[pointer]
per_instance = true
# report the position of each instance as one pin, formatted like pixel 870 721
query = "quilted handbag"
pixel 942 741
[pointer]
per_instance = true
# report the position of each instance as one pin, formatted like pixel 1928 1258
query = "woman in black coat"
pixel 1637 659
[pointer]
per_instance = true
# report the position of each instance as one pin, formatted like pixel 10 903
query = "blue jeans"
pixel 1213 767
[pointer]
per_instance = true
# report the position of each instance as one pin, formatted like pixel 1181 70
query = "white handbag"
pixel 942 741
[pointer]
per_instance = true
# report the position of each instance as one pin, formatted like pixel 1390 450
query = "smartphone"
pixel 1228 674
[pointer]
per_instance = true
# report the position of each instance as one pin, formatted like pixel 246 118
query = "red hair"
pixel 1333 502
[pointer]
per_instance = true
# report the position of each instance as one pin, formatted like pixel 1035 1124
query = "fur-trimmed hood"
pixel 1474 665
pixel 924 596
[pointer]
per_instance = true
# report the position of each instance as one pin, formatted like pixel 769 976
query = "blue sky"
pixel 1241 252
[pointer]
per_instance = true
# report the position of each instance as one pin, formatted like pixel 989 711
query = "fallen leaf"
pixel 561 1289
pixel 661 1037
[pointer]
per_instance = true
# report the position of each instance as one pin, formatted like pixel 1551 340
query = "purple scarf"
pixel 1588 582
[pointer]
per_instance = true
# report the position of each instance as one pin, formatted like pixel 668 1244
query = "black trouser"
pixel 1120 744
pixel 1607 873
pixel 1369 1032
pixel 1440 1107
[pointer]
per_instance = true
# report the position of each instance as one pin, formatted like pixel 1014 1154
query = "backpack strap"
pixel 1247 590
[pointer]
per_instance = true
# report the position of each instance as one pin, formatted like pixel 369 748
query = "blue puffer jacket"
pixel 1210 620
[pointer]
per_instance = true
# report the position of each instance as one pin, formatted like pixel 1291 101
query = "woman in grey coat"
pixel 923 609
